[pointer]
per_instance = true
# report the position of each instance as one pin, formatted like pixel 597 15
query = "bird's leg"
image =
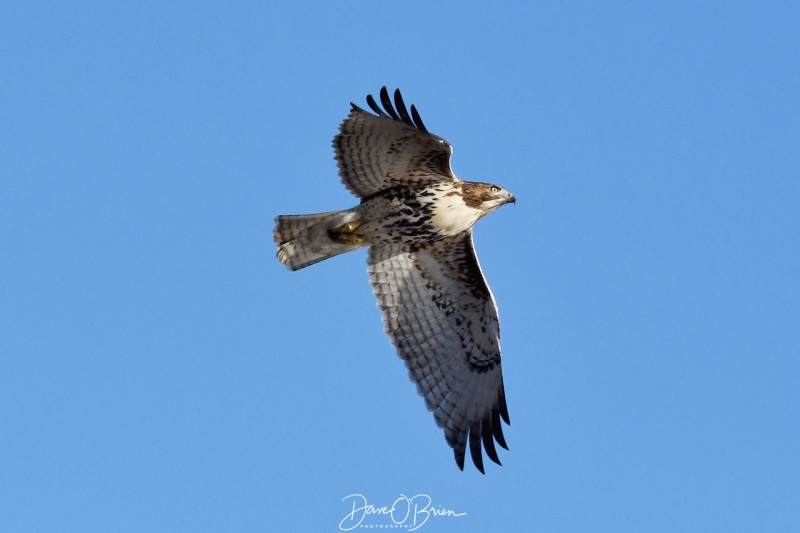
pixel 345 233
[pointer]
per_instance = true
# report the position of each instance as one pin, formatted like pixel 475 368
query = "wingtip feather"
pixel 387 103
pixel 401 108
pixel 488 441
pixel 475 447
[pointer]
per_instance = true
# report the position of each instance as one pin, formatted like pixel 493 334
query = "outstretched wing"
pixel 374 152
pixel 441 316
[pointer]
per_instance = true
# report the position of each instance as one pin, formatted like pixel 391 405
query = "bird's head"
pixel 486 196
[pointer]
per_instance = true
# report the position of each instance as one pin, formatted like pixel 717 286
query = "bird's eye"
pixel 495 189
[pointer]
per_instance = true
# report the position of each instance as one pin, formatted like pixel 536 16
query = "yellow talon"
pixel 350 239
pixel 349 227
pixel 344 233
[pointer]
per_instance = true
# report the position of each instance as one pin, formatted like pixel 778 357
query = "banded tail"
pixel 307 239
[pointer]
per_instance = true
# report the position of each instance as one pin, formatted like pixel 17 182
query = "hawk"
pixel 416 218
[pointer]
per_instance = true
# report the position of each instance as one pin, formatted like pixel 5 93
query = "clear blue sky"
pixel 161 371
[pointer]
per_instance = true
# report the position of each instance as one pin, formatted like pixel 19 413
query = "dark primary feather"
pixel 485 431
pixel 401 113
pixel 387 103
pixel 374 106
pixel 417 119
pixel 401 108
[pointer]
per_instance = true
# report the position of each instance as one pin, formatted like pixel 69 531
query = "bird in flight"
pixel 416 218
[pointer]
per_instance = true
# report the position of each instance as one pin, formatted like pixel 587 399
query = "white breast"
pixel 451 215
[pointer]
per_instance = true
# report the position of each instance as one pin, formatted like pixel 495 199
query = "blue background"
pixel 161 371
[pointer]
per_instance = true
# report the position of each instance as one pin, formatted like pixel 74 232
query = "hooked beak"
pixel 512 200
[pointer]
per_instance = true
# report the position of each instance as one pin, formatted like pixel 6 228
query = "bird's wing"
pixel 375 152
pixel 441 317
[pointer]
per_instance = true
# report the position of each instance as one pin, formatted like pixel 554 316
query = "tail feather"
pixel 304 239
pixel 288 227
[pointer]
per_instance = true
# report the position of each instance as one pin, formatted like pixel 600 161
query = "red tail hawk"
pixel 416 217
